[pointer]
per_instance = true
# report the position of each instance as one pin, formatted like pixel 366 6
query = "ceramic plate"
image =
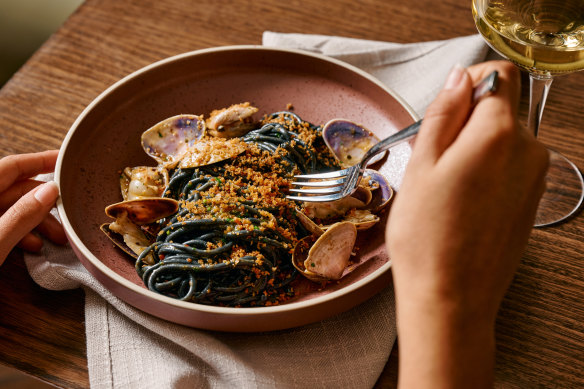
pixel 105 138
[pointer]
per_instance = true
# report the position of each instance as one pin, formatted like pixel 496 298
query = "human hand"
pixel 461 221
pixel 25 203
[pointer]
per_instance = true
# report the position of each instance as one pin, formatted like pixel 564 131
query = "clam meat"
pixel 209 150
pixel 143 181
pixel 132 235
pixel 231 122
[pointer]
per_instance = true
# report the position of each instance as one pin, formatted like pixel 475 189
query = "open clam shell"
pixel 127 236
pixel 349 141
pixel 362 219
pixel 126 231
pixel 381 191
pixel 143 211
pixel 381 196
pixel 330 209
pixel 309 224
pixel 299 256
pixel 118 240
pixel 325 258
pixel 373 194
pixel 168 141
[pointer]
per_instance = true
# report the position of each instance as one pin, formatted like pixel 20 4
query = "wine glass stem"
pixel 539 87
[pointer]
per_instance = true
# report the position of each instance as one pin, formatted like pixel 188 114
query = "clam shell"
pixel 349 141
pixel 328 255
pixel 168 140
pixel 299 256
pixel 382 192
pixel 143 211
pixel 373 194
pixel 330 209
pixel 363 219
pixel 129 237
pixel 310 225
pixel 117 239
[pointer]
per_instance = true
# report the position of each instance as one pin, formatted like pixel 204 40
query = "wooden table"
pixel 540 329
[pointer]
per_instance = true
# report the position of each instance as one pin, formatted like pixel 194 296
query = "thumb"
pixel 446 116
pixel 28 212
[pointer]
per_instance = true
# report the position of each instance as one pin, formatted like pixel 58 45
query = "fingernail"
pixel 47 193
pixel 454 77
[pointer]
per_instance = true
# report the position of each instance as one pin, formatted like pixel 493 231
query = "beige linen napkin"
pixel 127 348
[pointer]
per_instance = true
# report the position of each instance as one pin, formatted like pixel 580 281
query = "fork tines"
pixel 314 183
pixel 318 187
pixel 333 174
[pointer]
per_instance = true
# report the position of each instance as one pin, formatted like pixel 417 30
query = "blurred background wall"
pixel 24 26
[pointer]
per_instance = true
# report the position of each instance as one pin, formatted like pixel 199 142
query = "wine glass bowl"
pixel 546 39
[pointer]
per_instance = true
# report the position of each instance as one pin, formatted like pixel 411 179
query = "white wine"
pixel 545 37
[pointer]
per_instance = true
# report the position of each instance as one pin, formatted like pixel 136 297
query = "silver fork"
pixel 335 185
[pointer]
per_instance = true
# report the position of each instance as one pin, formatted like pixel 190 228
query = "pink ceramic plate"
pixel 106 138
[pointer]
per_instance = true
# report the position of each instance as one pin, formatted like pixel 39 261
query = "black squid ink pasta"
pixel 231 241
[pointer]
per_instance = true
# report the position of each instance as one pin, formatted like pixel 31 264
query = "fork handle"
pixel 390 141
pixel 486 86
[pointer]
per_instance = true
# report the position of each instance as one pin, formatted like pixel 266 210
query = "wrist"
pixel 443 344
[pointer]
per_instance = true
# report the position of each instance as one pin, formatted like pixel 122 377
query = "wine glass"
pixel 544 38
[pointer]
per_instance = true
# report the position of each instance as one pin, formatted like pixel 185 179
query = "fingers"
pixel 502 105
pixel 15 192
pixel 49 227
pixel 27 213
pixel 509 88
pixel 21 166
pixel 52 230
pixel 31 243
pixel 493 127
pixel 451 118
pixel 446 116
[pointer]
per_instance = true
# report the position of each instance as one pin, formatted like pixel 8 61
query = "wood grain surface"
pixel 540 329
